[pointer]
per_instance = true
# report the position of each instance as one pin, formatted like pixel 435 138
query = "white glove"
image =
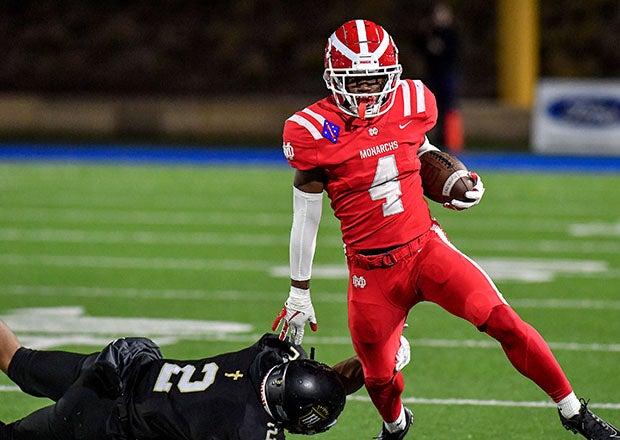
pixel 474 195
pixel 403 355
pixel 296 312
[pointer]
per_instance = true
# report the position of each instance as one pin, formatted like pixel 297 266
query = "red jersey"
pixel 372 167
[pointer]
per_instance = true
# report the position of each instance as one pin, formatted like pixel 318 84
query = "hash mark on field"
pixel 595 229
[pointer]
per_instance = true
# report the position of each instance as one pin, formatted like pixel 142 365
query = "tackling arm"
pixel 351 374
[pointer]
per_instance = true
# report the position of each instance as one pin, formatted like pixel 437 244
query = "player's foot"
pixel 590 425
pixel 398 435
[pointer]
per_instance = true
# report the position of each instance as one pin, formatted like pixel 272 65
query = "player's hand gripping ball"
pixel 446 180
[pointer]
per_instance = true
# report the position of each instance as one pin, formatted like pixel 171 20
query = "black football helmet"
pixel 304 396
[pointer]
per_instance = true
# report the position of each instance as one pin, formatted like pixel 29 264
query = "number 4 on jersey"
pixel 386 186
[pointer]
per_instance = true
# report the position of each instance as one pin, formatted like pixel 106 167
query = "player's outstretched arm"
pixel 351 374
pixel 307 209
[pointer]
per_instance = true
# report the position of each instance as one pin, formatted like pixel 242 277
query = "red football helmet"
pixel 361 49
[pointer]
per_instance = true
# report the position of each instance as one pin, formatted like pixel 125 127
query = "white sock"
pixel 569 406
pixel 398 424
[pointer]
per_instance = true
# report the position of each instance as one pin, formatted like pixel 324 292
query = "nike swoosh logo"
pixel 401 126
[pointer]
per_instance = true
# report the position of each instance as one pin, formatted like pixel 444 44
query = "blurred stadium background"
pixel 232 71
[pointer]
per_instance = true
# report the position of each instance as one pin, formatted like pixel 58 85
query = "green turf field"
pixel 196 258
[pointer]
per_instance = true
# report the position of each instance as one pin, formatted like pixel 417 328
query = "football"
pixel 444 177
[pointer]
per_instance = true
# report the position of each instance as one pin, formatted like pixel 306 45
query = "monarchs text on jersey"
pixel 371 165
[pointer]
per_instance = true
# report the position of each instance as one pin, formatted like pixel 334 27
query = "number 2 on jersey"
pixel 185 384
pixel 386 186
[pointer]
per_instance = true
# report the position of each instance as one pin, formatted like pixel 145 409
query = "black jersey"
pixel 215 398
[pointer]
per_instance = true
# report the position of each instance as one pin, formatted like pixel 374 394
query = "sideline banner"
pixel 576 116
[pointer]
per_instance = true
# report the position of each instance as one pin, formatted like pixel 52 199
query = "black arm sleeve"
pixel 47 373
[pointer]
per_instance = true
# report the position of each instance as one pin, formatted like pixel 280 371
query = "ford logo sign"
pixel 586 111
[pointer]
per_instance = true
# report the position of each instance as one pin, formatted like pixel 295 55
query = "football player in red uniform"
pixel 362 145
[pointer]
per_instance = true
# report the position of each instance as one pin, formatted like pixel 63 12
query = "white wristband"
pixel 426 146
pixel 300 298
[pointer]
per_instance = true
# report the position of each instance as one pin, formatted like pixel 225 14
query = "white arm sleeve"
pixel 307 209
pixel 426 146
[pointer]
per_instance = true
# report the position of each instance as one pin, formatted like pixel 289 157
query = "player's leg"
pixel 453 281
pixel 378 359
pixel 376 325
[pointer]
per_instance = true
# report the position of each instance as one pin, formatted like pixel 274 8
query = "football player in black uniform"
pixel 129 391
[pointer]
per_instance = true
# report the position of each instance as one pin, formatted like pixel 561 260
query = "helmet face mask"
pixel 361 49
pixel 303 396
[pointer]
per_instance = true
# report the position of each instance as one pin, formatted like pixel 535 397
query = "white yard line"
pixel 142 237
pixel 239 295
pixel 486 343
pixel 476 402
pixel 516 269
pixel 119 216
pixel 442 402
pixel 570 244
pixel 103 262
pixel 54 235
pixel 140 217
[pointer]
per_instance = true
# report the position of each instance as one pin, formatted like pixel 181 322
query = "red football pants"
pixel 383 288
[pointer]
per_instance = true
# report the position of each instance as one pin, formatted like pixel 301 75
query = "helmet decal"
pixel 365 57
